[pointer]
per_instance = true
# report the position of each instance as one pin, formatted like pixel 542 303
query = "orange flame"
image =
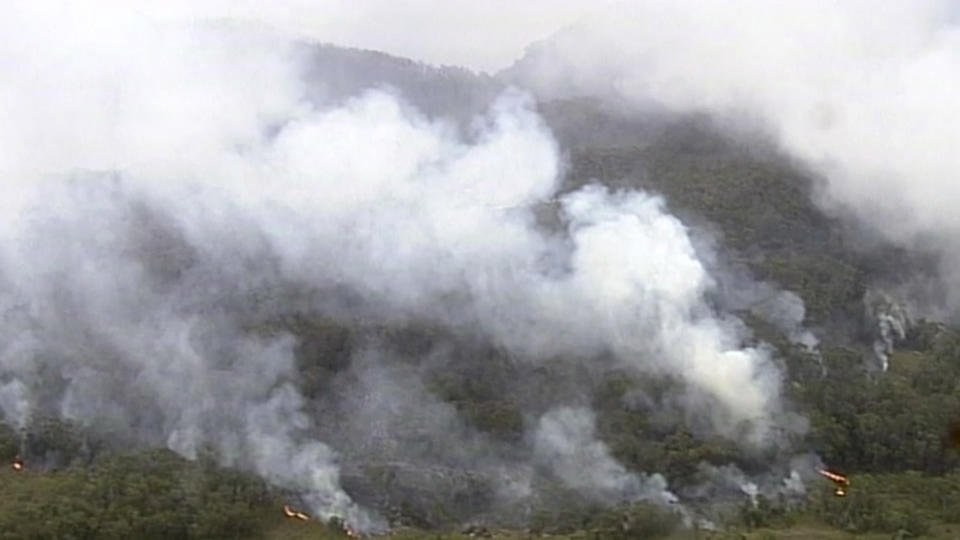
pixel 17 464
pixel 835 477
pixel 290 513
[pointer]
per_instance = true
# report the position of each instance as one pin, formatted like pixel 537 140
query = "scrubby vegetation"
pixel 145 494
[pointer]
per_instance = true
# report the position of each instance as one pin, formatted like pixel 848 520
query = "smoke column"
pixel 168 188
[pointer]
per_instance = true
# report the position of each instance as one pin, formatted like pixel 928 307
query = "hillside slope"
pixel 463 411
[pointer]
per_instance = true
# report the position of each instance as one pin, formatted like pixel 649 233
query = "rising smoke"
pixel 169 188
pixel 890 322
pixel 866 95
pixel 566 440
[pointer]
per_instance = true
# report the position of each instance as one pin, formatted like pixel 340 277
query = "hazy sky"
pixel 482 34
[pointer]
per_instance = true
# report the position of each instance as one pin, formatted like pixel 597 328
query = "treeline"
pixel 899 420
pixel 64 491
pixel 907 503
pixel 151 494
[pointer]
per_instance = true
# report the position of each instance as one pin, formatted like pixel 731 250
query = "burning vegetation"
pixel 291 513
pixel 340 524
pixel 840 481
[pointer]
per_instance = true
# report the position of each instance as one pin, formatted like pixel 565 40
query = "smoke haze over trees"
pixel 600 284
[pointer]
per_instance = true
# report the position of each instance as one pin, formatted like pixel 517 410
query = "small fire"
pixel 836 477
pixel 17 464
pixel 290 513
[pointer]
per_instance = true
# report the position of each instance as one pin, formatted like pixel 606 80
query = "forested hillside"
pixel 431 462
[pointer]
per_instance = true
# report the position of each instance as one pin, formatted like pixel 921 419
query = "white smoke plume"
pixel 650 308
pixel 866 95
pixel 890 322
pixel 783 309
pixel 789 482
pixel 167 188
pixel 565 439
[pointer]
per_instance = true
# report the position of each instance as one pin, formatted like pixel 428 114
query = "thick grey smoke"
pixel 168 189
pixel 865 94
